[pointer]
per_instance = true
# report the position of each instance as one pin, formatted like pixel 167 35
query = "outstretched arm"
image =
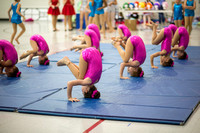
pixel 9 13
pixel 72 83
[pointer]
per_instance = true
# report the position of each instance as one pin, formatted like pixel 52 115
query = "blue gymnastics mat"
pixel 163 95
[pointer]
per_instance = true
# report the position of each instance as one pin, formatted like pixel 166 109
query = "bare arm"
pixel 104 5
pixel 58 4
pixel 9 13
pixel 72 2
pixel 163 52
pixel 173 8
pixel 50 4
pixel 64 1
pixel 18 12
pixel 178 49
pixel 29 60
pixel 190 7
pixel 72 83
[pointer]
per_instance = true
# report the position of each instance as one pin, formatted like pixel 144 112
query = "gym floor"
pixel 11 122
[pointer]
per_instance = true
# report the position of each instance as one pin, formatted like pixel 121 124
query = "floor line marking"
pixel 93 126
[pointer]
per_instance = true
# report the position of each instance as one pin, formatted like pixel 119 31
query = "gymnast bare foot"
pixel 64 61
pixel 17 41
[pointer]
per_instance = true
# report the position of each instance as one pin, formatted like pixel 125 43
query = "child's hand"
pixel 73 100
pixel 124 78
pixel 29 65
pixel 154 67
pixel 98 9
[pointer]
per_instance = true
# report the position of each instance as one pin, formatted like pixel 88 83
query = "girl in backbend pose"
pixel 124 34
pixel 177 8
pixel 54 12
pixel 165 36
pixel 16 20
pixel 181 37
pixel 135 48
pixel 189 6
pixel 83 12
pixel 39 48
pixel 87 73
pixel 8 59
pixel 99 14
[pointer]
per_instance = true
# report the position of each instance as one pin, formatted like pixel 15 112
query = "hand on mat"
pixel 73 100
pixel 154 67
pixel 29 65
pixel 124 78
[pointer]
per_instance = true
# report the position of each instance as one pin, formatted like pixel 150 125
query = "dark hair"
pixel 183 57
pixel 170 63
pixel 139 73
pixel 14 72
pixel 90 92
pixel 44 62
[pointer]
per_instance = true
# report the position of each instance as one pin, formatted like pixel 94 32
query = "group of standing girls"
pixel 100 12
pixel 188 9
pixel 67 11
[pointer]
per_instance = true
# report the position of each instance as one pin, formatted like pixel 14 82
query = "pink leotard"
pixel 94 69
pixel 173 28
pixel 167 40
pixel 125 30
pixel 139 51
pixel 94 38
pixel 184 37
pixel 96 29
pixel 9 52
pixel 42 44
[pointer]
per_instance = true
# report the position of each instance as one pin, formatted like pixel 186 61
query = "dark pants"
pixel 161 16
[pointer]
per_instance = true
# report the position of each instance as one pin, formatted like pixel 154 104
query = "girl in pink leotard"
pixel 124 34
pixel 165 36
pixel 181 37
pixel 134 48
pixel 40 48
pixel 8 59
pixel 87 73
pixel 92 40
pixel 92 27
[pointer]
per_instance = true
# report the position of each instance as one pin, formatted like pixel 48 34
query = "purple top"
pixel 42 44
pixel 9 51
pixel 94 38
pixel 96 29
pixel 94 68
pixel 139 51
pixel 184 37
pixel 125 30
pixel 167 40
